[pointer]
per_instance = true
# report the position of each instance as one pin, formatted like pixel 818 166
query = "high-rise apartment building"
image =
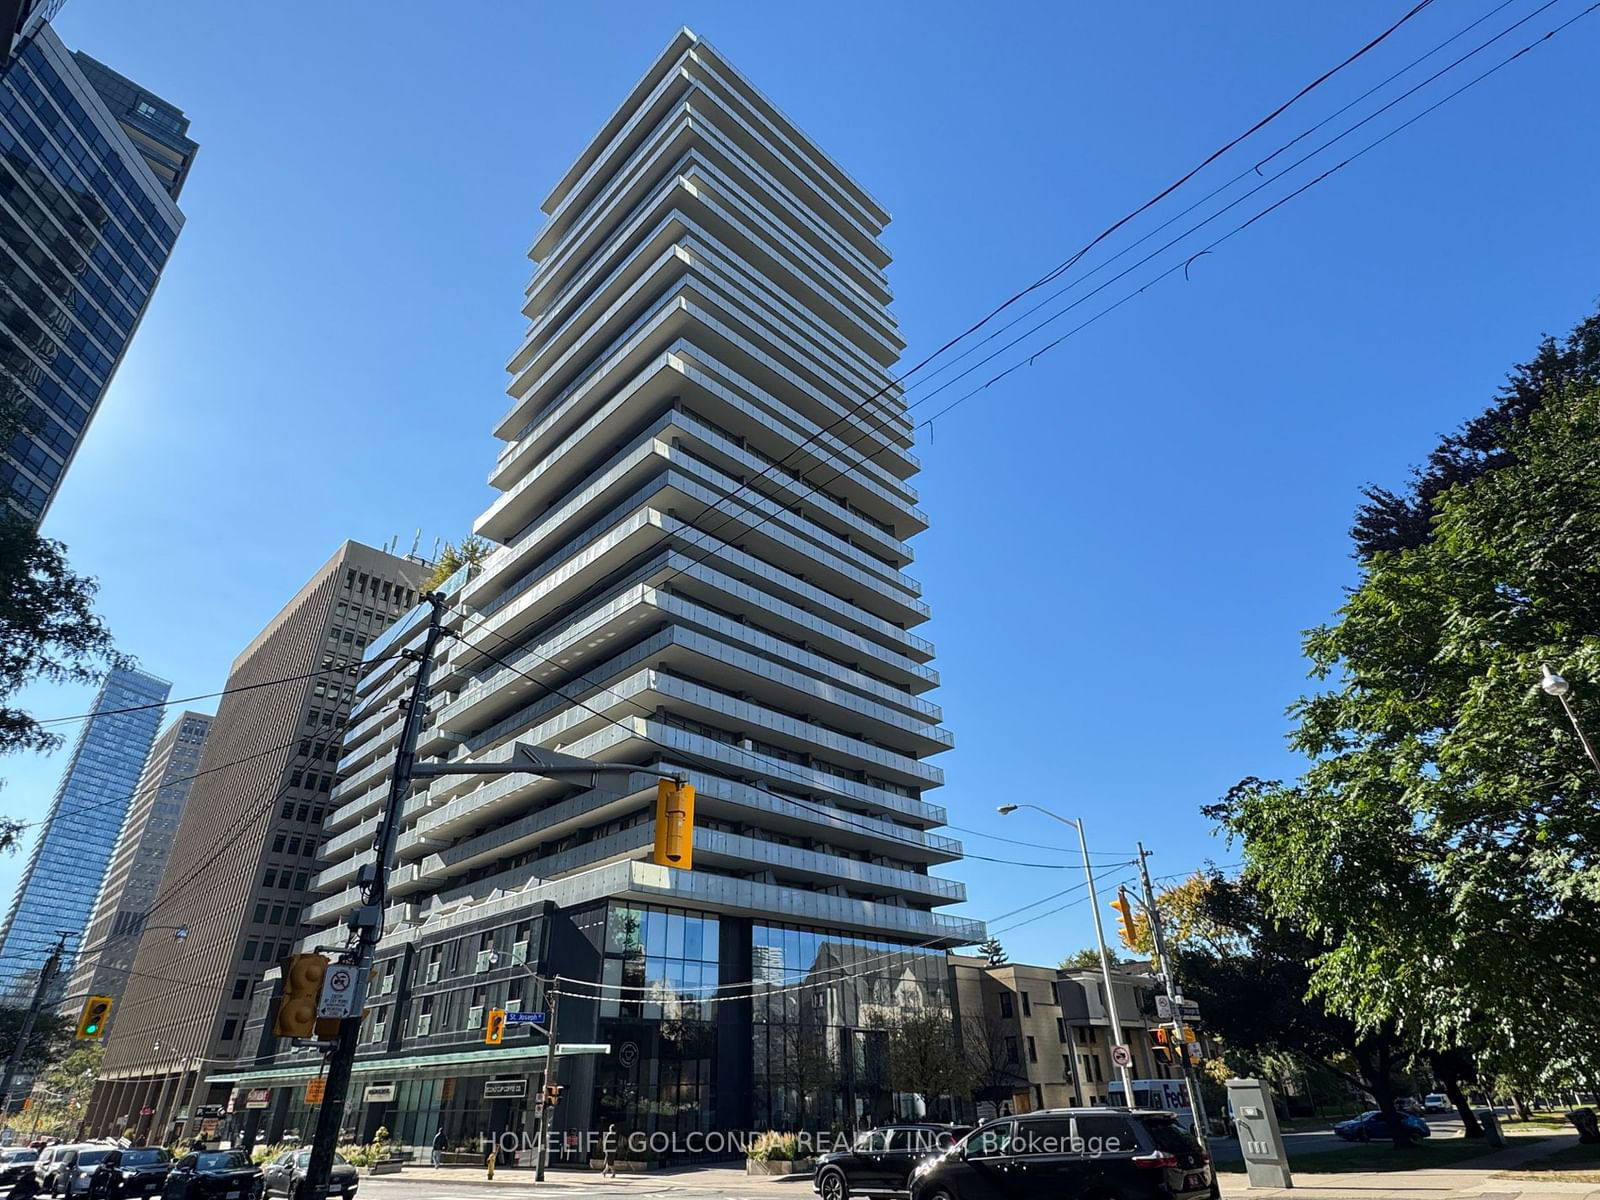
pixel 157 128
pixel 702 531
pixel 78 834
pixel 238 877
pixel 105 953
pixel 87 222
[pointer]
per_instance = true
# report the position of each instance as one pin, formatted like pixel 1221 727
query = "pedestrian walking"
pixel 438 1147
pixel 608 1151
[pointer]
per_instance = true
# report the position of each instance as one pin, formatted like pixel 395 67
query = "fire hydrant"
pixel 489 1163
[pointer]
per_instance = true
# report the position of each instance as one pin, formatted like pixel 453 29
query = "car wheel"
pixel 833 1186
pixel 941 1194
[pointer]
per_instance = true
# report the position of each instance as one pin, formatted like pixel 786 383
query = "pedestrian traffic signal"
pixel 92 1020
pixel 674 825
pixel 302 991
pixel 494 1027
pixel 552 1094
pixel 1163 1045
pixel 1125 919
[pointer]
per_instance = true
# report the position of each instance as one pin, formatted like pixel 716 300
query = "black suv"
pixel 880 1161
pixel 1106 1153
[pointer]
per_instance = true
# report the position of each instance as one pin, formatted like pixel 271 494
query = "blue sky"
pixel 1128 536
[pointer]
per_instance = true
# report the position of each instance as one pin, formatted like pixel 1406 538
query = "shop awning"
pixel 471 1062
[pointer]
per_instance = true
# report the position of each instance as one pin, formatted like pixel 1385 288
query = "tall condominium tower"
pixel 87 222
pixel 75 841
pixel 702 532
pixel 238 878
pixel 105 954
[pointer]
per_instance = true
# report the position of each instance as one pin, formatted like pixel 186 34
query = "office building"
pixel 238 877
pixel 87 222
pixel 708 318
pixel 121 913
pixel 76 838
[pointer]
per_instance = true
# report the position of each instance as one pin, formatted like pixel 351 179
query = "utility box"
pixel 1491 1126
pixel 1266 1161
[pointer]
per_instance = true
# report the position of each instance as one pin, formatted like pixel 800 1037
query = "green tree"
pixel 452 558
pixel 1081 960
pixel 1440 849
pixel 992 950
pixel 48 627
pixel 50 1040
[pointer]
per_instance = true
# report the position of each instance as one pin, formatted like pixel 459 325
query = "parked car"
pixel 880 1161
pixel 283 1174
pixel 213 1175
pixel 1374 1124
pixel 14 1164
pixel 56 1165
pixel 1132 1154
pixel 1436 1102
pixel 144 1171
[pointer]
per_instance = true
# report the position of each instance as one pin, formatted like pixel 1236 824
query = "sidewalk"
pixel 1472 1178
pixel 724 1180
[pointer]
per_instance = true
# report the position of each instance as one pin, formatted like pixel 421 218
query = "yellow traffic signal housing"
pixel 494 1027
pixel 552 1094
pixel 674 825
pixel 302 990
pixel 1161 1044
pixel 1125 919
pixel 92 1020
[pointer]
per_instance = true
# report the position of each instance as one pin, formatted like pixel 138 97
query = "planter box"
pixel 799 1166
pixel 386 1166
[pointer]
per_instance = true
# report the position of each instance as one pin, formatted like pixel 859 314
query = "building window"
pixel 228 1029
pixel 1006 1007
pixel 1027 1009
pixel 240 986
pixel 1061 1029
pixel 250 950
pixel 261 913
pixel 1066 1067
pixel 271 878
pixel 1011 1050
pixel 1033 1051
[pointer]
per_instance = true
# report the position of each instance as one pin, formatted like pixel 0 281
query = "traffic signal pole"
pixel 366 921
pixel 46 978
pixel 1197 1106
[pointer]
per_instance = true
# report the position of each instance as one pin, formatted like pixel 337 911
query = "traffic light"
pixel 302 991
pixel 1125 919
pixel 92 1020
pixel 1162 1045
pixel 674 825
pixel 494 1027
pixel 552 1094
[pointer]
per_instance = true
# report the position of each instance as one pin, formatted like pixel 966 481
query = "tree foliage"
pixel 452 558
pixel 48 627
pixel 993 951
pixel 1390 521
pixel 1081 960
pixel 1440 849
pixel 49 1041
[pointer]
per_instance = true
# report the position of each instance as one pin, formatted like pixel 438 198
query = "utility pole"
pixel 366 921
pixel 541 1154
pixel 46 977
pixel 1197 1107
pixel 1105 966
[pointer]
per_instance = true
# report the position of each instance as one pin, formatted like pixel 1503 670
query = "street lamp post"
pixel 1554 685
pixel 1099 937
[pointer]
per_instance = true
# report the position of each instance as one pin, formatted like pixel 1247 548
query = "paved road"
pixel 1227 1149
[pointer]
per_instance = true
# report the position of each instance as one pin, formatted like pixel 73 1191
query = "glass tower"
pixel 75 842
pixel 86 226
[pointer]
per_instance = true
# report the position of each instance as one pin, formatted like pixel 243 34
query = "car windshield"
pixel 89 1158
pixel 143 1158
pixel 22 1156
pixel 223 1160
pixel 303 1160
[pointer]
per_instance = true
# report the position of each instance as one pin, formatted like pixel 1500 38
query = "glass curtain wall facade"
pixel 76 839
pixel 105 953
pixel 85 231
